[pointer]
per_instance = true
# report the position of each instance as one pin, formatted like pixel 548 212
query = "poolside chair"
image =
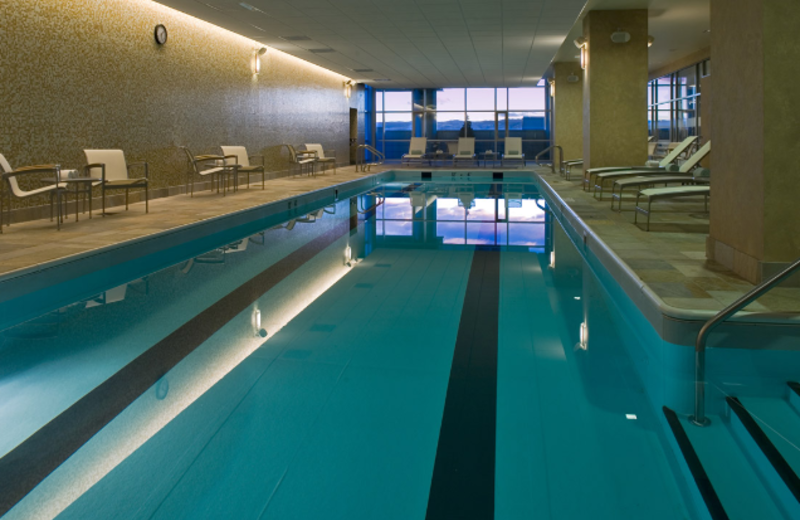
pixel 10 177
pixel 243 162
pixel 321 157
pixel 661 165
pixel 651 180
pixel 684 169
pixel 513 151
pixel 673 192
pixel 302 158
pixel 115 174
pixel 209 165
pixel 466 150
pixel 416 150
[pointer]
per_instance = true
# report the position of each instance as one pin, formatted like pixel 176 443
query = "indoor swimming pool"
pixel 402 348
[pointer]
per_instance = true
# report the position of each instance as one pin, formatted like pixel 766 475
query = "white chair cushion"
pixel 116 169
pixel 316 148
pixel 239 151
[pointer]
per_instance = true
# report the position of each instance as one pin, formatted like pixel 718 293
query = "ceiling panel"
pixel 414 43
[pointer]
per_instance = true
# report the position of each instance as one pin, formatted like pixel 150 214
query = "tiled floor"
pixel 670 258
pixel 30 243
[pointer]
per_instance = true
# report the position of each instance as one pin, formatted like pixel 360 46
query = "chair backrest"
pixel 190 157
pixel 116 170
pixel 316 148
pixel 513 146
pixel 12 181
pixel 239 151
pixel 651 148
pixel 695 159
pixel 679 149
pixel 292 153
pixel 418 145
pixel 466 146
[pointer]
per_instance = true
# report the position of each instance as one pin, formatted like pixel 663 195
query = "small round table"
pixel 487 156
pixel 79 185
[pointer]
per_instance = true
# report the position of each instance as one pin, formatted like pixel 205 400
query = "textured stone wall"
pixel 568 113
pixel 615 90
pixel 78 74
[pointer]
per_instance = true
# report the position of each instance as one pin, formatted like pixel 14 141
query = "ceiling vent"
pixel 382 80
pixel 295 38
pixel 362 70
pixel 320 51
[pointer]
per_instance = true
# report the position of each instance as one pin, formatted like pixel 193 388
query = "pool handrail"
pixel 699 418
pixel 560 157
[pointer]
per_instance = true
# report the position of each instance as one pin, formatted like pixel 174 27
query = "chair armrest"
pixel 102 167
pixel 37 168
pixel 258 157
pixel 331 153
pixel 140 164
pixel 203 158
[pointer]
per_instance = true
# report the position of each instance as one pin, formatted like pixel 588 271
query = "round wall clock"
pixel 160 34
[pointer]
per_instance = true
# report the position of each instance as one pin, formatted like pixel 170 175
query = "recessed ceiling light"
pixel 295 38
pixel 320 51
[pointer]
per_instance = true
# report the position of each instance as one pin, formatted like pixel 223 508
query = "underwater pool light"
pixel 552 260
pixel 584 344
pixel 257 322
pixel 630 416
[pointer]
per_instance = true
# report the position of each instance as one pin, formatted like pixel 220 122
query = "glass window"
pixel 526 99
pixel 398 100
pixel 379 101
pixel 502 99
pixel 450 99
pixel 480 125
pixel 480 99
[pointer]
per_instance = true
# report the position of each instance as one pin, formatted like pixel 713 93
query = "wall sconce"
pixel 257 59
pixel 552 83
pixel 257 324
pixel 582 43
pixel 584 337
pixel 348 88
pixel 650 41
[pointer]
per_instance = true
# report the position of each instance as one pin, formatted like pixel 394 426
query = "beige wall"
pixel 756 128
pixel 615 90
pixel 568 109
pixel 87 74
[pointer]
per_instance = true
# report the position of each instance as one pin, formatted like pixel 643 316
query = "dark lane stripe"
pixel 710 497
pixel 33 460
pixel 463 474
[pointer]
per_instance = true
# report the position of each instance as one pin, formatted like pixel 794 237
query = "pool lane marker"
pixel 463 480
pixel 24 467
pixel 699 474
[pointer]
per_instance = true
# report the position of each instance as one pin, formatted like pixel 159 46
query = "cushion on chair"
pixel 239 151
pixel 114 160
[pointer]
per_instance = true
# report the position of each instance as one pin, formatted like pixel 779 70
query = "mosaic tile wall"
pixel 78 74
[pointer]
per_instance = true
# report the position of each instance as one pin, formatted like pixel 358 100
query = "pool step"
pixel 723 472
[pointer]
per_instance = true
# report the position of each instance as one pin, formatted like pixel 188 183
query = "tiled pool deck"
pixel 670 258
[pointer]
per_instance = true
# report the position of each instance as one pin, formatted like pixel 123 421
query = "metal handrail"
pixel 699 418
pixel 560 156
pixel 379 201
pixel 361 164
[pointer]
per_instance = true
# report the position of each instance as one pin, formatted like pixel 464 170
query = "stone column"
pixel 755 60
pixel 568 109
pixel 615 89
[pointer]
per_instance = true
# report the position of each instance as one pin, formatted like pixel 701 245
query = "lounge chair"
pixel 302 158
pixel 9 178
pixel 466 150
pixel 684 169
pixel 323 159
pixel 702 177
pixel 416 150
pixel 513 151
pixel 673 192
pixel 661 165
pixel 115 174
pixel 243 162
pixel 209 165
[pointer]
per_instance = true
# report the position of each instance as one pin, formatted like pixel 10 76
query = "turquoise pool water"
pixel 411 350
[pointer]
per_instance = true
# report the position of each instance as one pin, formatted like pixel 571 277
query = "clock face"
pixel 161 34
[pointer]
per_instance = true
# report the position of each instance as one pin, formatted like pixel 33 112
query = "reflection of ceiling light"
pixel 630 416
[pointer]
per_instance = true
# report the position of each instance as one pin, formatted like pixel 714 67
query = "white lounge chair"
pixel 685 169
pixel 302 158
pixel 673 192
pixel 322 158
pixel 513 151
pixel 9 178
pixel 466 150
pixel 662 164
pixel 416 150
pixel 700 177
pixel 114 174
pixel 243 162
